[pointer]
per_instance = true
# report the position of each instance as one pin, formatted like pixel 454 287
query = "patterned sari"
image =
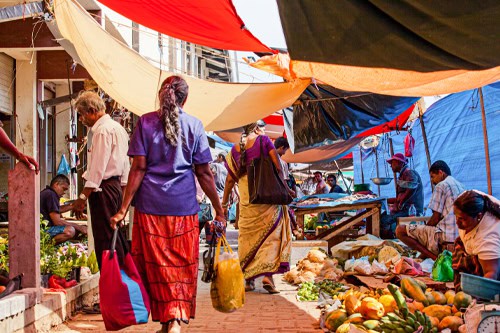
pixel 264 241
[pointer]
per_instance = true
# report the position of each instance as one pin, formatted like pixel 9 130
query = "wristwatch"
pixel 82 196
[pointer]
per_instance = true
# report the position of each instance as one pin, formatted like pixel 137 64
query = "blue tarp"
pixel 455 135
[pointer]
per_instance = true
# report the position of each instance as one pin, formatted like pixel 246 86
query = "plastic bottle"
pixel 412 211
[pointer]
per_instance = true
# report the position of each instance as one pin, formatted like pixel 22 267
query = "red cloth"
pixel 395 124
pixel 165 251
pixel 213 23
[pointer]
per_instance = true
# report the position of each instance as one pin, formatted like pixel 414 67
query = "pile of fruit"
pixel 309 291
pixel 411 308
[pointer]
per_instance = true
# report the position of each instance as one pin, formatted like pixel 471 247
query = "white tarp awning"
pixel 132 81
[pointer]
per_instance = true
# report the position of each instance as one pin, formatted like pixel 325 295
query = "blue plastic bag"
pixel 63 168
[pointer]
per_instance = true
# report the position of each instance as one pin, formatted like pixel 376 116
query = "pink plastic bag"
pixel 124 300
pixel 409 143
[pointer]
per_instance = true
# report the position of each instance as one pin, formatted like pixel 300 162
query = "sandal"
pixel 250 285
pixel 270 288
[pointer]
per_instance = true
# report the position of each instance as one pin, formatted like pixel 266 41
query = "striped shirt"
pixel 442 200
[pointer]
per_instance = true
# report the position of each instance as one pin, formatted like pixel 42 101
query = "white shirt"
pixel 484 240
pixel 107 153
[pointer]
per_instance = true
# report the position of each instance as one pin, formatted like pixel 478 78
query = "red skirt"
pixel 165 250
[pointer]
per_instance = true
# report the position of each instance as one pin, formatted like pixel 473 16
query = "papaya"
pixel 454 309
pixel 438 311
pixel 388 302
pixel 335 319
pixel 371 309
pixel 458 314
pixel 2 289
pixel 450 296
pixel 371 324
pixel 422 284
pixel 434 321
pixel 451 322
pixel 355 318
pixel 439 298
pixel 351 304
pixel 413 290
pixel 462 300
pixel 430 298
pixel 344 328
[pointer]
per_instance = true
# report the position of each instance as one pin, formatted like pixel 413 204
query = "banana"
pixel 394 317
pixel 410 321
pixel 409 329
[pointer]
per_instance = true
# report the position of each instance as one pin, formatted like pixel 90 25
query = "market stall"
pixel 367 207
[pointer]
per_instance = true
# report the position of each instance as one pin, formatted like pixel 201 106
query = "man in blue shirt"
pixel 59 229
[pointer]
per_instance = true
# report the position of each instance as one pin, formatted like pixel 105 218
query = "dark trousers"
pixel 103 205
pixel 388 224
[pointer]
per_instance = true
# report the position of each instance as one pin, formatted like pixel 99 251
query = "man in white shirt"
pixel 107 171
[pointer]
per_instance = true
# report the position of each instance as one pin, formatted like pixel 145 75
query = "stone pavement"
pixel 262 313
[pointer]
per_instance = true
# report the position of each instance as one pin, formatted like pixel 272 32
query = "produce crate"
pixel 480 287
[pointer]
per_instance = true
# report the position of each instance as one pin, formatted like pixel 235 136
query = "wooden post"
pixel 424 136
pixel 378 174
pixel 361 160
pixel 391 150
pixel 486 144
pixel 24 225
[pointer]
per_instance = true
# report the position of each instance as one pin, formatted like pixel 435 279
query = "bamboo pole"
pixel 486 144
pixel 424 135
pixel 361 160
pixel 378 174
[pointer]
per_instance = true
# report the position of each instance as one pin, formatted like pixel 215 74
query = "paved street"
pixel 262 313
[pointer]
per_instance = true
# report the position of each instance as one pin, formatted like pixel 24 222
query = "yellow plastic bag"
pixel 228 288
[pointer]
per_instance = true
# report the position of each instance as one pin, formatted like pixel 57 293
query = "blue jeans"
pixel 55 230
pixel 388 224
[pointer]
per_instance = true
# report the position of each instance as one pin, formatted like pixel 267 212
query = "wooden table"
pixel 371 212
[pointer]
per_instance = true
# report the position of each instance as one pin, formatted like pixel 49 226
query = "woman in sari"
pixel 165 146
pixel 264 241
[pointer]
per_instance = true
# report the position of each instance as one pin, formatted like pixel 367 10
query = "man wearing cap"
pixel 409 191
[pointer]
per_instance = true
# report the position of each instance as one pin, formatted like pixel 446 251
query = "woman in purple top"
pixel 165 146
pixel 264 240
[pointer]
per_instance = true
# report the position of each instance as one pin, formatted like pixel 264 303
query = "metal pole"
pixel 424 136
pixel 486 144
pixel 342 175
pixel 376 161
pixel 361 160
pixel 391 150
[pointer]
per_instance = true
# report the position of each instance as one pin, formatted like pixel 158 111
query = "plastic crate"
pixel 480 287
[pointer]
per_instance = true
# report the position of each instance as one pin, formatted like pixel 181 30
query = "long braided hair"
pixel 247 129
pixel 173 94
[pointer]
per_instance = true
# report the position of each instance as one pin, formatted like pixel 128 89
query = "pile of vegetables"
pixel 411 308
pixel 309 291
pixel 316 266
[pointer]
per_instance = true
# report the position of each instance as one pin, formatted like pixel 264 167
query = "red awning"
pixel 393 125
pixel 213 23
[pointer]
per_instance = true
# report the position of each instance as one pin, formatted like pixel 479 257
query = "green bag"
pixel 442 270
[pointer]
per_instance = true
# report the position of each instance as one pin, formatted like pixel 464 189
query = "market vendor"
pixel 409 191
pixel 477 249
pixel 441 230
pixel 321 186
pixel 331 180
pixel 59 229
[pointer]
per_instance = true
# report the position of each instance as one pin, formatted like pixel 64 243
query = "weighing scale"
pixel 483 318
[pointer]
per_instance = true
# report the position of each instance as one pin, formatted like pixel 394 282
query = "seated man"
pixel 321 187
pixel 477 249
pixel 409 191
pixel 331 180
pixel 60 229
pixel 441 229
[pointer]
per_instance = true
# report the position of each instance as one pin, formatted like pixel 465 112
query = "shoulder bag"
pixel 265 185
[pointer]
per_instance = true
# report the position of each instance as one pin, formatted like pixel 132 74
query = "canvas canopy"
pixel 394 47
pixel 133 81
pixel 454 132
pixel 213 23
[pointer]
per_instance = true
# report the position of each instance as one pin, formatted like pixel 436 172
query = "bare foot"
pixel 174 327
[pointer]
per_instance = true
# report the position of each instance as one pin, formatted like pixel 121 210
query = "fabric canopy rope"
pixel 213 23
pixel 133 82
